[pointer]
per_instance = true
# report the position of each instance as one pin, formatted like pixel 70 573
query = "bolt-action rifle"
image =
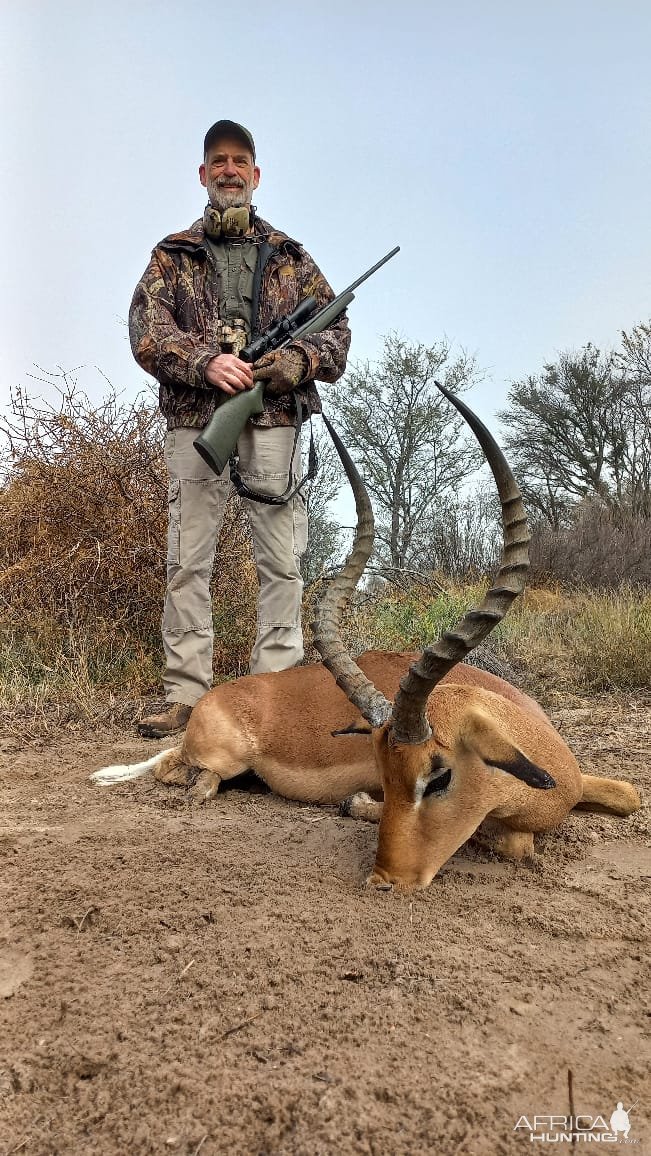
pixel 218 440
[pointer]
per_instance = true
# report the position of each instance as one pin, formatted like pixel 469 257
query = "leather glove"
pixel 283 369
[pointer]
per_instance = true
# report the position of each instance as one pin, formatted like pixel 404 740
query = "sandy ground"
pixel 217 980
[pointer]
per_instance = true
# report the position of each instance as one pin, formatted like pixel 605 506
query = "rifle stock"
pixel 218 440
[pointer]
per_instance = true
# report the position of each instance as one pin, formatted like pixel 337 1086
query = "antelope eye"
pixel 438 784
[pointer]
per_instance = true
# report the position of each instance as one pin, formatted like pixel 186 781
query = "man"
pixel 204 294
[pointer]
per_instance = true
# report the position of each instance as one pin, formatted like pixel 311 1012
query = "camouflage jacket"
pixel 175 308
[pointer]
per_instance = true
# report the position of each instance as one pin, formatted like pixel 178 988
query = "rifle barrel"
pixel 327 314
pixel 369 272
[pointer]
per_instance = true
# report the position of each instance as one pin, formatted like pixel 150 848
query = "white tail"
pixel 122 774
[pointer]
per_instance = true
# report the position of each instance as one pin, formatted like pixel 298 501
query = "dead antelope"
pixel 447 746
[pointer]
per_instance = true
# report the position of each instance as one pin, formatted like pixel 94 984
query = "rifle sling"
pixel 291 490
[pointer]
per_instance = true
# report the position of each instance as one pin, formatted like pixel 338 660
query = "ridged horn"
pixel 326 628
pixel 409 720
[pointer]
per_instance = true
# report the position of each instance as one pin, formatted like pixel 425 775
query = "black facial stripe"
pixel 439 784
pixel 352 730
pixel 521 768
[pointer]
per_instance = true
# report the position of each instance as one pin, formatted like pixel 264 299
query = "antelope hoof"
pixel 516 845
pixel 361 806
pixel 378 882
pixel 174 775
pixel 206 787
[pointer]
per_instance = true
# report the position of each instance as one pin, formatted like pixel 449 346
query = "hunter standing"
pixel 205 293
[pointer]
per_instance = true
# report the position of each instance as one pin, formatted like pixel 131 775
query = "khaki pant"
pixel 196 506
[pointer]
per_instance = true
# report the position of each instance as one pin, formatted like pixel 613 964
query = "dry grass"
pixel 588 642
pixel 582 641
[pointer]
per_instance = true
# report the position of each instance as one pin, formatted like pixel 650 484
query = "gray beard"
pixel 221 198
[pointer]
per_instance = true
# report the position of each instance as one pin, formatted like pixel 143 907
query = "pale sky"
pixel 503 145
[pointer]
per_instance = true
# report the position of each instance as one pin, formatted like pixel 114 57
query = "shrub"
pixel 83 515
pixel 602 548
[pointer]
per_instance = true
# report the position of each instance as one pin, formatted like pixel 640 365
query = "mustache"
pixel 222 182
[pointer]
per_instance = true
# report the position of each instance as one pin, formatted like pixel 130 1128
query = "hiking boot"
pixel 159 726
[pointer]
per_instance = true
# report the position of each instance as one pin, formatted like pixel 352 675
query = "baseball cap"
pixel 228 128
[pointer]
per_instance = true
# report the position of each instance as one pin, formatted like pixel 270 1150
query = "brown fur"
pixel 259 723
pixel 281 727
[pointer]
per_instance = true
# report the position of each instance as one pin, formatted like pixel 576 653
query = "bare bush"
pixel 83 515
pixel 601 549
pixel 464 535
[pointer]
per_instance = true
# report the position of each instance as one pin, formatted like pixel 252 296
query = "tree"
pixel 406 439
pixel 325 535
pixel 560 437
pixel 581 430
pixel 632 423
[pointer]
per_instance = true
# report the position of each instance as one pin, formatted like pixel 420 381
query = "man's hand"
pixel 228 373
pixel 283 370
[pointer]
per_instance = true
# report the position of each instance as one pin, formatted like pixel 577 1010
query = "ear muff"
pixel 232 222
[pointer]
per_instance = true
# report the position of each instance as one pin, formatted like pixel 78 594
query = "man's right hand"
pixel 228 373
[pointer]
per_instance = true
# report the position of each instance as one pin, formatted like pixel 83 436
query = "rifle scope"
pixel 276 337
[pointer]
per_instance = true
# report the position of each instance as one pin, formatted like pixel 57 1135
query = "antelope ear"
pixel 358 726
pixel 480 734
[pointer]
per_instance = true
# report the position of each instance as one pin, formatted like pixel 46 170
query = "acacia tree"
pixel 406 439
pixel 581 430
pixel 559 432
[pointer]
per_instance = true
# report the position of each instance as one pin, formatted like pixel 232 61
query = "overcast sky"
pixel 504 145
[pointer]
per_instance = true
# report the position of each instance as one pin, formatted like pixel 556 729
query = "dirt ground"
pixel 211 980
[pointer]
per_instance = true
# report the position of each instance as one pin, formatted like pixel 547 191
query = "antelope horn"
pixel 326 627
pixel 409 719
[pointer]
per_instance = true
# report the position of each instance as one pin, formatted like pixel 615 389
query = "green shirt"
pixel 235 265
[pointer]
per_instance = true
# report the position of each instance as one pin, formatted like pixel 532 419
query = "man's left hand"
pixel 283 369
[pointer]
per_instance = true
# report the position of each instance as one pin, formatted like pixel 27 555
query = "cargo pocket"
pixel 173 522
pixel 270 484
pixel 300 525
